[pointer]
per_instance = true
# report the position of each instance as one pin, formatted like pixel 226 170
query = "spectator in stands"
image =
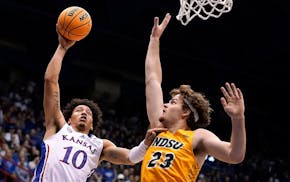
pixel 120 178
pixel 22 170
pixel 108 172
pixel 8 165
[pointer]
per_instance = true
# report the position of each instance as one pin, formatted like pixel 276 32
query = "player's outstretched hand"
pixel 65 43
pixel 158 29
pixel 232 101
pixel 151 134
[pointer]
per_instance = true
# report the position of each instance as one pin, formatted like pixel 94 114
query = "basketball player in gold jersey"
pixel 179 153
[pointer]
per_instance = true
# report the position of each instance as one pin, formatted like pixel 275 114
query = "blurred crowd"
pixel 21 132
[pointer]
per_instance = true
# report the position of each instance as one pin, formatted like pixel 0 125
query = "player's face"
pixel 172 111
pixel 82 119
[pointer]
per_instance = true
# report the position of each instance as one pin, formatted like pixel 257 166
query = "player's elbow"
pixel 238 158
pixel 48 78
pixel 152 78
pixel 132 163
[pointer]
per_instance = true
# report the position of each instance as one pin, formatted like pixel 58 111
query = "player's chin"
pixel 161 119
pixel 162 122
pixel 82 125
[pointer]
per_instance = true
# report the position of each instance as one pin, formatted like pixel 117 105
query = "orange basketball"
pixel 74 23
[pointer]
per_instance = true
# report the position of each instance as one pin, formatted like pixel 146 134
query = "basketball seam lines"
pixel 73 19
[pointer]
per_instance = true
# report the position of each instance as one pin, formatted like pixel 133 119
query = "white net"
pixel 203 9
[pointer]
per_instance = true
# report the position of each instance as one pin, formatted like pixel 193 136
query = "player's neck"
pixel 179 125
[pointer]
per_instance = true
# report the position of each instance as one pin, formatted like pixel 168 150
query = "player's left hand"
pixel 151 134
pixel 233 101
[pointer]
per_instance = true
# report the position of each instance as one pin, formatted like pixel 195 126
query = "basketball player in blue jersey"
pixel 69 152
pixel 179 153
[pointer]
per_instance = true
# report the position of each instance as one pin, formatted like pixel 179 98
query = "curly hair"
pixel 199 103
pixel 97 113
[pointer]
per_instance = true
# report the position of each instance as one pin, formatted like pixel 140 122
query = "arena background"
pixel 249 46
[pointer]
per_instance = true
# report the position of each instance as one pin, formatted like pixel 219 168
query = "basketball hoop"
pixel 203 9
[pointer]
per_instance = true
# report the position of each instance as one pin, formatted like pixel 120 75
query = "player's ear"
pixel 186 112
pixel 92 127
pixel 69 121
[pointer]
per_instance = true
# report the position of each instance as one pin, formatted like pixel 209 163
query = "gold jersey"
pixel 170 158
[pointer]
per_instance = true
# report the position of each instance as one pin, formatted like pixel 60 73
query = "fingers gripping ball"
pixel 74 23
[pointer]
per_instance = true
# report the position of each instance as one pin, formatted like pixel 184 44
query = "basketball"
pixel 74 23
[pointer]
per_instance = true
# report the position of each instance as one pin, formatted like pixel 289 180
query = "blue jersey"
pixel 68 156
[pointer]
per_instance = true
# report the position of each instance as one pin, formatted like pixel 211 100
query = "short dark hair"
pixel 96 111
pixel 198 101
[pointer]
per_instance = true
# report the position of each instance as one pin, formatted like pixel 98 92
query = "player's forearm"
pixel 54 66
pixel 119 155
pixel 238 139
pixel 137 153
pixel 152 62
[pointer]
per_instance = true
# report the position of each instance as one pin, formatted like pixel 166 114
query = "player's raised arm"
pixel 153 73
pixel 51 102
pixel 234 106
pixel 233 151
